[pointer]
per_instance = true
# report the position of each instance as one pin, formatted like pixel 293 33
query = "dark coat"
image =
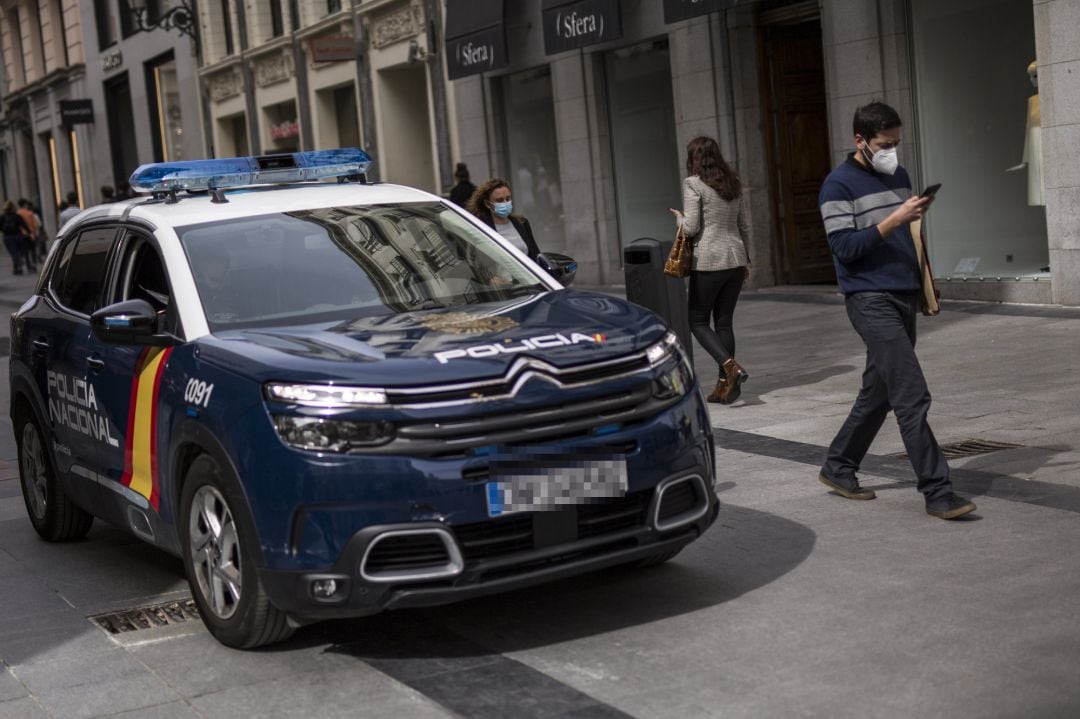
pixel 524 229
pixel 461 192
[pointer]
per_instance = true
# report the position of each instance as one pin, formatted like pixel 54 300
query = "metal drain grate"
pixel 969 447
pixel 152 617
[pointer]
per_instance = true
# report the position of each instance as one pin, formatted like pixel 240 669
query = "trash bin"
pixel 648 286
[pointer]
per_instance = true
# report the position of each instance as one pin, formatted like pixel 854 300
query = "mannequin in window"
pixel 1032 158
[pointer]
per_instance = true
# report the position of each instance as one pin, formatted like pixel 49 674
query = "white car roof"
pixel 255 200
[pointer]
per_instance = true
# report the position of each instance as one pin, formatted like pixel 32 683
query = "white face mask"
pixel 884 161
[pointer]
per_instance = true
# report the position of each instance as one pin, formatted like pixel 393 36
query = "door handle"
pixel 96 364
pixel 40 345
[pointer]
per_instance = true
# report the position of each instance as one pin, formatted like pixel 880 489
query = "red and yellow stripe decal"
pixel 140 443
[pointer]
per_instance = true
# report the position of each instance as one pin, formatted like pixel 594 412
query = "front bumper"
pixel 653 522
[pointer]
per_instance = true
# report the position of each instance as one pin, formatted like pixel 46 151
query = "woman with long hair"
pixel 493 203
pixel 715 217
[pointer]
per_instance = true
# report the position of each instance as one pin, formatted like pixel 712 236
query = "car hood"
pixel 563 328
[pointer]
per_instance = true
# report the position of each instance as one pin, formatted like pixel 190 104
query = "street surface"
pixel 796 602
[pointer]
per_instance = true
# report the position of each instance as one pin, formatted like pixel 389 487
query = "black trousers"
pixel 713 296
pixel 892 380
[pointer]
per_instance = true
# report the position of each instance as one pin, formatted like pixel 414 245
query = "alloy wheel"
pixel 34 471
pixel 214 543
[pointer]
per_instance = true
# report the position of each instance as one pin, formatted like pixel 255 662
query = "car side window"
pixel 81 272
pixel 143 277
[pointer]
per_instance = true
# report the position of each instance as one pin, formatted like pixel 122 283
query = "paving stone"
pixel 25 708
pixel 10 687
pixel 91 685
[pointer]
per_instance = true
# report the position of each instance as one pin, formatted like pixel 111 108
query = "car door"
pixel 129 377
pixel 63 364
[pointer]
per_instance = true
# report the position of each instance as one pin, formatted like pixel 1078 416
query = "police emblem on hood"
pixel 464 323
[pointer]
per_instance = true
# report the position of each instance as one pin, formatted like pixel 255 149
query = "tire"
pixel 658 558
pixel 54 516
pixel 220 557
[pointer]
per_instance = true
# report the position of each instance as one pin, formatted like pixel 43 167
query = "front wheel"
pixel 219 557
pixel 54 516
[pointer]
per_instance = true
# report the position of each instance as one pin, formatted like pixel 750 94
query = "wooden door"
pixel 798 135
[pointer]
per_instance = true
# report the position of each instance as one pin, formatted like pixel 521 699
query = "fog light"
pixel 324 588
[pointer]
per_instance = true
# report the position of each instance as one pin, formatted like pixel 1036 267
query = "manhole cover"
pixel 969 447
pixel 152 617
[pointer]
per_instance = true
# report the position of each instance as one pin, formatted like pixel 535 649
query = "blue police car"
pixel 335 398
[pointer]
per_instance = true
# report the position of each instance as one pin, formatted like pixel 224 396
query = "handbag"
pixel 681 258
pixel 928 298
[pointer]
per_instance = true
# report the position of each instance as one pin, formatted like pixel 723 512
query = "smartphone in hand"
pixel 931 190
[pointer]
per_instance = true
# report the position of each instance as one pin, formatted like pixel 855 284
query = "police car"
pixel 332 397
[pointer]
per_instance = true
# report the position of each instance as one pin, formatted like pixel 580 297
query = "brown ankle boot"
pixel 734 376
pixel 720 392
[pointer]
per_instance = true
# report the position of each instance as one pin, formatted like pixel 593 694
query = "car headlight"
pixel 673 382
pixel 657 353
pixel 325 396
pixel 331 435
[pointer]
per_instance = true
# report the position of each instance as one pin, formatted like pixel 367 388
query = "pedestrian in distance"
pixel 15 231
pixel 72 208
pixel 463 188
pixel 41 243
pixel 493 203
pixel 716 219
pixel 32 237
pixel 108 194
pixel 867 206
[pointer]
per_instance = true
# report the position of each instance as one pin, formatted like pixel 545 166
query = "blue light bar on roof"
pixel 241 171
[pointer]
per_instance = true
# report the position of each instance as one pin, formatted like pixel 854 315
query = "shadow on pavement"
pixel 746 549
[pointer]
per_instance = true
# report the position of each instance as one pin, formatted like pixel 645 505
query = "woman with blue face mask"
pixel 494 204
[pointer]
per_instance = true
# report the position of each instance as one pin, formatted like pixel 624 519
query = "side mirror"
pixel 132 322
pixel 561 267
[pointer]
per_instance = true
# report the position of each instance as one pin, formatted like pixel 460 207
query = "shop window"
pixel 232 136
pixel 532 150
pixel 644 148
pixel 166 115
pixel 976 116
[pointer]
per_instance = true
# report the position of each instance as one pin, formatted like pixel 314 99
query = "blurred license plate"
pixel 520 488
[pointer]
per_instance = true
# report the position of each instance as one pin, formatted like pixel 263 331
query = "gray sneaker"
pixel 847 488
pixel 950 506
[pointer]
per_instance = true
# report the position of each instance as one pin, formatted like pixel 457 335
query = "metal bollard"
pixel 648 286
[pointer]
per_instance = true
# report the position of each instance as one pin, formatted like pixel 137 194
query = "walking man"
pixel 867 207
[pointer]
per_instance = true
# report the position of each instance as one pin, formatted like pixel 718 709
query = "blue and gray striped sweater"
pixel 853 201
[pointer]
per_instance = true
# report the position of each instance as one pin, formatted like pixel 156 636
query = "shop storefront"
pixel 978 131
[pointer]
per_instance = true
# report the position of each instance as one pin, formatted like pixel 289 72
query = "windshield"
pixel 347 262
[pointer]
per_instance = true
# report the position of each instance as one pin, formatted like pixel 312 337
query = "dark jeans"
pixel 16 248
pixel 892 380
pixel 713 295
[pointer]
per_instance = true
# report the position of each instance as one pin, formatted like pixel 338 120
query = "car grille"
pixel 506 386
pixel 507 535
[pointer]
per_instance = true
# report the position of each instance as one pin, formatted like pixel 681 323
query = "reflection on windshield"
pixel 346 262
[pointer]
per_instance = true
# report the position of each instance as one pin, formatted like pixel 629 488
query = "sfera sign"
pixel 475 37
pixel 570 24
pixel 476 52
pixel 76 112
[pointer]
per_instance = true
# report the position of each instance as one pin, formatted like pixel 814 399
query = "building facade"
pixel 585 107
pixel 287 76
pixel 89 96
pixel 42 151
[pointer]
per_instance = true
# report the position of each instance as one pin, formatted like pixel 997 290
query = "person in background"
pixel 716 219
pixel 15 230
pixel 32 238
pixel 70 208
pixel 463 189
pixel 107 194
pixel 492 202
pixel 42 243
pixel 124 190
